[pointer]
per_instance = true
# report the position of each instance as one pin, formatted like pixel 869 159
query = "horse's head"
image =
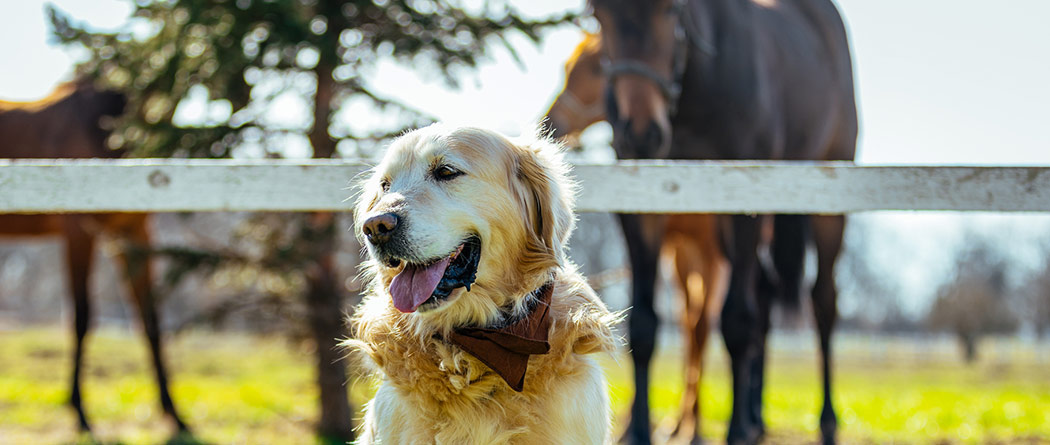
pixel 645 46
pixel 97 108
pixel 580 103
pixel 111 103
pixel 98 102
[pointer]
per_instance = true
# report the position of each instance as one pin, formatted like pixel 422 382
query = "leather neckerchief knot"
pixel 507 349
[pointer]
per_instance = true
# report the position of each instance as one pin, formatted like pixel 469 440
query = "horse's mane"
pixel 61 92
pixel 590 44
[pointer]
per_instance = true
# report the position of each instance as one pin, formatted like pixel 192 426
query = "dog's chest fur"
pixel 435 392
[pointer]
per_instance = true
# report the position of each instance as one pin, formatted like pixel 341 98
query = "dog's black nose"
pixel 378 229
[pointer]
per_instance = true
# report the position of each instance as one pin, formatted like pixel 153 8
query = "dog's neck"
pixel 531 302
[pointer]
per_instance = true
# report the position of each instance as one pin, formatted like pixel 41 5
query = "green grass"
pixel 898 393
pixel 236 388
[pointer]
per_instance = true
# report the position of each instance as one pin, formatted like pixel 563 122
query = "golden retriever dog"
pixel 477 324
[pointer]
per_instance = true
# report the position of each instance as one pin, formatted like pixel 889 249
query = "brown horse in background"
pixel 67 125
pixel 580 103
pixel 732 79
pixel 691 241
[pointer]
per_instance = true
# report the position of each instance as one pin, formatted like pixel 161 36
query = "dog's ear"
pixel 546 196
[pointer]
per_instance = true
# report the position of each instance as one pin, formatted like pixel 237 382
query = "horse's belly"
pixel 30 225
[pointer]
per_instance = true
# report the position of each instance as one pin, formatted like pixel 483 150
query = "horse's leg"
pixel 739 322
pixel 79 250
pixel 715 273
pixel 827 231
pixel 706 288
pixel 758 363
pixel 790 234
pixel 716 283
pixel 644 235
pixel 691 288
pixel 139 274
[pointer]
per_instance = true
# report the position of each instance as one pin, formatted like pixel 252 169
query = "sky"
pixel 951 82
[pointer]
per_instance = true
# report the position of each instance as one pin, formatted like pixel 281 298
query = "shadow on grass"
pixel 184 438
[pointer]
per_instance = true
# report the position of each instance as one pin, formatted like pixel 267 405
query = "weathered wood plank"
pixel 165 185
pixel 805 187
pixel 174 185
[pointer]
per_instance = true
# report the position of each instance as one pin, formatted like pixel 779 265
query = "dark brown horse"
pixel 732 79
pixel 67 125
pixel 690 242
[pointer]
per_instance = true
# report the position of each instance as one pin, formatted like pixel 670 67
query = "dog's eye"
pixel 446 172
pixel 385 184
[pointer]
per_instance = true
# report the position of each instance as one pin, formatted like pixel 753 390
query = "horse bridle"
pixel 671 88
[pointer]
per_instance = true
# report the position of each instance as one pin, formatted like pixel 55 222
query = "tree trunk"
pixel 326 325
pixel 323 299
pixel 322 142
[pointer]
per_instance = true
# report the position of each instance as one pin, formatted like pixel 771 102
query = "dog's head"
pixel 461 222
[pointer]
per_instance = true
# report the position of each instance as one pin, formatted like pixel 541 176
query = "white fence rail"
pixel 166 185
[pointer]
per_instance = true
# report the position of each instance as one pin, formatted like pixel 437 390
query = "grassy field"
pixel 236 388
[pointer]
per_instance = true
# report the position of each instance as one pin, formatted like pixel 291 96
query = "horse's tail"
pixel 783 268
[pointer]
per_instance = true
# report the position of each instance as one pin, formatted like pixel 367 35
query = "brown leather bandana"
pixel 506 350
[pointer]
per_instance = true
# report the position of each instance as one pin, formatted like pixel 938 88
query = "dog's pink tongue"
pixel 414 284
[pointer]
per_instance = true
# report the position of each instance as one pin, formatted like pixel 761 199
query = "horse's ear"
pixel 112 102
pixel 546 196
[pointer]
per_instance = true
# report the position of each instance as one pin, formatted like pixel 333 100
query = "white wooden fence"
pixel 166 185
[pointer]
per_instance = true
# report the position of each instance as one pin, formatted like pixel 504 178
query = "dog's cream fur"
pixel 516 197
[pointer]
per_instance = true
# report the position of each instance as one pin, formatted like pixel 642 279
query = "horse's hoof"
pixel 182 427
pixel 828 438
pixel 184 438
pixel 828 430
pixel 692 438
pixel 639 440
pixel 695 439
pixel 82 423
pixel 684 432
pixel 631 437
pixel 750 437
